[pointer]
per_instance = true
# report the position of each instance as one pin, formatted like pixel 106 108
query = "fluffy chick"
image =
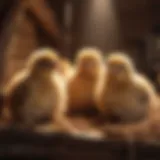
pixel 81 87
pixel 125 95
pixel 37 94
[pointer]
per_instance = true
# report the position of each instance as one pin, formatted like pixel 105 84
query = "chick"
pixel 124 95
pixel 81 87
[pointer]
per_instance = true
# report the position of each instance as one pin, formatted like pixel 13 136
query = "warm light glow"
pixel 100 5
pixel 101 19
pixel 68 14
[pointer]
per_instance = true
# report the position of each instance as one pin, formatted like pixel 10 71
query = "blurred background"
pixel 67 25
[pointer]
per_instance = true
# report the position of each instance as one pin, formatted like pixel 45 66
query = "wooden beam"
pixel 45 15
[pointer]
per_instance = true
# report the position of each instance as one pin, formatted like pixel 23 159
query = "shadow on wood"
pixel 23 144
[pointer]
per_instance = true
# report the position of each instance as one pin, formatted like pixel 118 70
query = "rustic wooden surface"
pixel 23 144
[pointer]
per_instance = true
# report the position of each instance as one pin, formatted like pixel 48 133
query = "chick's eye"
pixel 48 64
pixel 85 64
pixel 121 67
pixel 55 64
pixel 91 64
pixel 115 68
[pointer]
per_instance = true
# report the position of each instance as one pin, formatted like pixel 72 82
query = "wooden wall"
pixel 107 24
pixel 27 29
pixel 134 20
